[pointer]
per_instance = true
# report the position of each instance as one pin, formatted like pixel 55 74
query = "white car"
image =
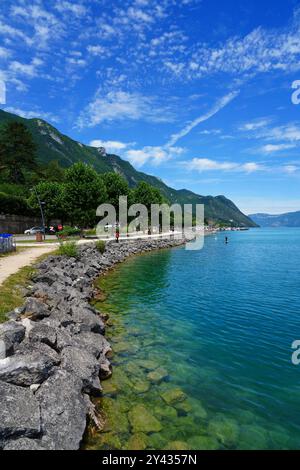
pixel 33 230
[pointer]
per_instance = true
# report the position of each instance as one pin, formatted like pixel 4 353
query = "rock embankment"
pixel 54 353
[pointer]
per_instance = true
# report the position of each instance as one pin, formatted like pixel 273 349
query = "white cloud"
pixel 154 155
pixel 71 7
pixel 206 164
pixel 271 148
pixel 32 114
pixel 261 51
pixel 120 105
pixel 220 104
pixel 254 125
pixel 96 50
pixel 29 70
pixel 111 146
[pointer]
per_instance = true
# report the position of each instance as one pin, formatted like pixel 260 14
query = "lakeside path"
pixel 11 264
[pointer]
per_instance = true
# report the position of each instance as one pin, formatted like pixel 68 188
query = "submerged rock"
pixel 177 445
pixel 173 396
pixel 158 375
pixel 142 420
pixel 137 442
pixel 253 437
pixel 115 417
pixel 203 443
pixel 226 430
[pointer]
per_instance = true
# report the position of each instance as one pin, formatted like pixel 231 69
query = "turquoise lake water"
pixel 202 345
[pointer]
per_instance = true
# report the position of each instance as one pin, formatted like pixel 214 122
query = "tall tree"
pixel 116 186
pixel 17 151
pixel 50 193
pixel 146 194
pixel 84 191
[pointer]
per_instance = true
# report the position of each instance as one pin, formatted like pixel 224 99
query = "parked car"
pixel 33 230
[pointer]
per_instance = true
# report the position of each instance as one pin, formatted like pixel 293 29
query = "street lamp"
pixel 41 204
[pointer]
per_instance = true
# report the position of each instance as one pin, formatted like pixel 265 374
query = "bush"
pixel 91 232
pixel 69 249
pixel 100 245
pixel 69 232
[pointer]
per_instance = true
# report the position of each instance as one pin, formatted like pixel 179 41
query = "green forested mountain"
pixel 52 145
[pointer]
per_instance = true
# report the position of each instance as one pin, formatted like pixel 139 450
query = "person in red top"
pixel 117 235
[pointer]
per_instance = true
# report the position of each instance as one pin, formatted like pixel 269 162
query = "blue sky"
pixel 197 92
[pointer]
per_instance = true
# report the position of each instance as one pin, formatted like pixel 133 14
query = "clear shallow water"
pixel 202 346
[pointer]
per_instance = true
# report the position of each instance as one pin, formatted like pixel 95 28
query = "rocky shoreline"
pixel 56 352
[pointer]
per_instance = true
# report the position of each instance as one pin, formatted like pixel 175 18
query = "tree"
pixel 54 172
pixel 146 194
pixel 116 186
pixel 51 193
pixel 17 151
pixel 83 192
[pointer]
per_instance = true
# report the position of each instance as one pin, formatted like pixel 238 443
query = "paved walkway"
pixel 11 264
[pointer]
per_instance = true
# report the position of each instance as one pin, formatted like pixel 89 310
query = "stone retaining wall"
pixel 56 351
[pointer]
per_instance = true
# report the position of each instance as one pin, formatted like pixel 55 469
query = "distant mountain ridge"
pixel 289 219
pixel 52 145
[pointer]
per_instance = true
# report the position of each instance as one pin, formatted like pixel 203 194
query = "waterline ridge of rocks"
pixel 56 351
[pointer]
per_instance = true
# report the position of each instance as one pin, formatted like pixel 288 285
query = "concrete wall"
pixel 18 223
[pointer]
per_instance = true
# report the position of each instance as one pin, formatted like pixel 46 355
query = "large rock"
pixel 63 410
pixel 11 333
pixel 19 412
pixel 43 333
pixel 87 319
pixel 35 309
pixel 24 444
pixel 85 366
pixel 26 369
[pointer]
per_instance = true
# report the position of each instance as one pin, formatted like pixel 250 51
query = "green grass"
pixel 11 295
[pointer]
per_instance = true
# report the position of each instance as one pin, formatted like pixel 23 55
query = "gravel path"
pixel 12 263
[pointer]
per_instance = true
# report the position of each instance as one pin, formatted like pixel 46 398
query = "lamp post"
pixel 41 204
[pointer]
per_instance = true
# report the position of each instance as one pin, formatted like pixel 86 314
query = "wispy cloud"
pixel 207 164
pixel 158 154
pixel 271 148
pixel 120 105
pixel 220 104
pixel 31 114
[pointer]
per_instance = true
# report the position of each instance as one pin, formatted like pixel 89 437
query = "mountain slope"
pixel 52 145
pixel 290 219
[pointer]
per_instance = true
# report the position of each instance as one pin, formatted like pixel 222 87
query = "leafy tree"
pixel 17 151
pixel 51 193
pixel 116 186
pixel 83 192
pixel 54 172
pixel 146 194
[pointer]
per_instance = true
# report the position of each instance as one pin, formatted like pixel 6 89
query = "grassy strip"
pixel 11 291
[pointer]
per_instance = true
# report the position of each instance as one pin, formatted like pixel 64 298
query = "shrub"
pixel 69 232
pixel 100 245
pixel 91 232
pixel 69 249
